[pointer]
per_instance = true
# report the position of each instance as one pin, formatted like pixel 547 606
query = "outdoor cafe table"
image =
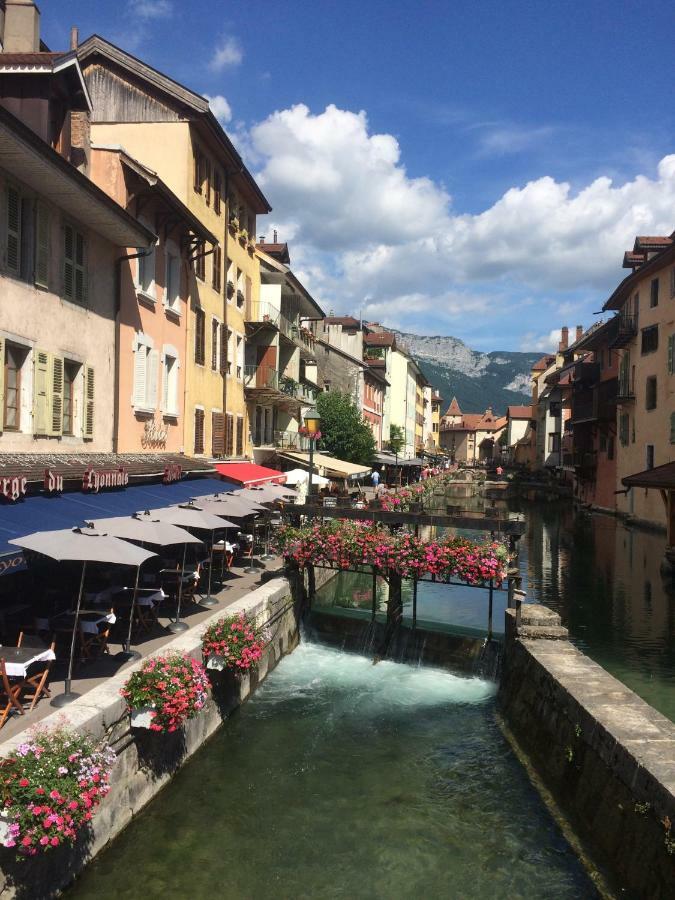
pixel 19 659
pixel 89 620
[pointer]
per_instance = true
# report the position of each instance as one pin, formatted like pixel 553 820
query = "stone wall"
pixel 147 761
pixel 605 754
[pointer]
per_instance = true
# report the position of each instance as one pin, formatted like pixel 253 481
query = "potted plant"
pixel 243 237
pixel 51 786
pixel 230 290
pixel 165 692
pixel 234 223
pixel 233 642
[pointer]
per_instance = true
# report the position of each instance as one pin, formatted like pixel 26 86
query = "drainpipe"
pixel 118 307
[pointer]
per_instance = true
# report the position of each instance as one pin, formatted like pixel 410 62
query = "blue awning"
pixel 43 513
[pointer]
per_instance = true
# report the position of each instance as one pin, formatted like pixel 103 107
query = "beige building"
pixel 471 438
pixel 645 304
pixel 172 131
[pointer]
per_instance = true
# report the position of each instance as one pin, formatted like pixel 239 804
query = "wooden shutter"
pixel 200 338
pixel 214 344
pixel 80 269
pixel 140 376
pixel 671 354
pixel 55 425
pixel 672 428
pixel 199 431
pixel 223 349
pixel 167 405
pixel 13 230
pixel 68 262
pixel 198 172
pixel 41 404
pixel 217 434
pixel 42 246
pixel 207 173
pixel 240 436
pixel 229 434
pixel 153 371
pixel 2 383
pixel 89 390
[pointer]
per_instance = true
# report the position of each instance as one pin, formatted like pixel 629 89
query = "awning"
pixel 660 478
pixel 249 473
pixel 45 513
pixel 335 468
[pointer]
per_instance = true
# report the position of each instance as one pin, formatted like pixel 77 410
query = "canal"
pixel 601 576
pixel 341 779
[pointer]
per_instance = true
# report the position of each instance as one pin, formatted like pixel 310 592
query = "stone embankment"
pixel 606 755
pixel 146 761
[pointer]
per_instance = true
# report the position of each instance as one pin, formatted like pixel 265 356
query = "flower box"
pixel 234 642
pixel 216 662
pixel 142 716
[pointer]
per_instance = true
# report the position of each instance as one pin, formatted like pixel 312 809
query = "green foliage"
pixel 344 433
pixel 396 438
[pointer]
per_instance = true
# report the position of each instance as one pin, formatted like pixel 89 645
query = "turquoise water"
pixel 341 779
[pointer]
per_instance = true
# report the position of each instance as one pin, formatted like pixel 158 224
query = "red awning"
pixel 249 473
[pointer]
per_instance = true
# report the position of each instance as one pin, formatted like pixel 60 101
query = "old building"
pixel 471 438
pixel 171 130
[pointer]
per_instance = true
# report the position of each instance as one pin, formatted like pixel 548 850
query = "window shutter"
pixel 200 337
pixel 240 436
pixel 207 173
pixel 217 434
pixel 199 431
pixel 140 375
pixel 198 172
pixel 153 372
pixel 56 373
pixel 88 428
pixel 41 405
pixel 223 349
pixel 229 434
pixel 672 428
pixel 80 269
pixel 42 246
pixel 671 354
pixel 166 400
pixel 2 383
pixel 13 230
pixel 68 262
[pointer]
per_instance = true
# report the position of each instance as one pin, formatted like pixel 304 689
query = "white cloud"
pixel 362 227
pixel 544 343
pixel 220 108
pixel 151 9
pixel 227 55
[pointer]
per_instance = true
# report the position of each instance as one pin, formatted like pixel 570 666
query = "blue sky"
pixel 446 168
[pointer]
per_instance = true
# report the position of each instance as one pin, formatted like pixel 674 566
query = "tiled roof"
pixel 380 339
pixel 632 259
pixel 662 477
pixel 542 364
pixel 30 60
pixel 453 409
pixel 519 412
pixel 652 241
pixel 278 251
pixel 345 321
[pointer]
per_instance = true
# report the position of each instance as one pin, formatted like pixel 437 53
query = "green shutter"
pixel 41 392
pixel 2 382
pixel 672 428
pixel 55 423
pixel 13 230
pixel 69 262
pixel 42 246
pixel 671 354
pixel 88 424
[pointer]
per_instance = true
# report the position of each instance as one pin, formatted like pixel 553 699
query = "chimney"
pixel 275 241
pixel 74 37
pixel 21 33
pixel 262 238
pixel 580 331
pixel 564 338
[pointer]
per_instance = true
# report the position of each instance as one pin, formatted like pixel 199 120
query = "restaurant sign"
pixel 173 472
pixel 53 482
pixel 96 479
pixel 13 487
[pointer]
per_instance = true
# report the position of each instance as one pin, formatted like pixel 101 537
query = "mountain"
pixel 478 380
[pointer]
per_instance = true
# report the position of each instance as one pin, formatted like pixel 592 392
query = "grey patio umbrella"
pixel 81 545
pixel 236 506
pixel 191 515
pixel 147 529
pixel 268 493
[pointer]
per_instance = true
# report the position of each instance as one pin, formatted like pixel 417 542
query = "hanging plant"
pixel 233 642
pixel 51 785
pixel 166 691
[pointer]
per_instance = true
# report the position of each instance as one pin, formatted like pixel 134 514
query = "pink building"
pixel 372 402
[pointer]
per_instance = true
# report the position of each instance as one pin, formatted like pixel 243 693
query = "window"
pixel 170 383
pixel 240 356
pixel 672 428
pixel 240 436
pixel 145 272
pixel 200 337
pixel 555 408
pixel 650 392
pixel 13 223
pixel 146 370
pixel 654 293
pixel 70 372
pixel 42 234
pixel 224 337
pixel 199 261
pixel 217 268
pixel 672 282
pixel 650 339
pixel 172 291
pixel 671 354
pixel 241 296
pixel 229 434
pixel 624 424
pixel 215 336
pixel 230 288
pixel 601 359
pixel 199 165
pixel 207 179
pixel 15 357
pixel 553 442
pixel 649 456
pixel 74 265
pixel 217 434
pixel 199 430
pixel 216 192
pixel 326 386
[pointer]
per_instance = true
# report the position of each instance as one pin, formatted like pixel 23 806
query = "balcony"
pixel 605 400
pixel 281 440
pixel 299 390
pixel 626 330
pixel 626 389
pixel 585 462
pixel 262 314
pixel 583 407
pixel 297 335
pixel 261 382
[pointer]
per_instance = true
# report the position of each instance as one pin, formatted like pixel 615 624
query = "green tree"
pixel 344 433
pixel 396 438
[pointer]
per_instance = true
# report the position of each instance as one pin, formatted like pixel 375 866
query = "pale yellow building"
pixel 171 130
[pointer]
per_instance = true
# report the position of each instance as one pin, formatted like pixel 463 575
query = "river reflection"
pixel 604 580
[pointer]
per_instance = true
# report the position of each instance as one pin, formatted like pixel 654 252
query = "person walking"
pixel 375 479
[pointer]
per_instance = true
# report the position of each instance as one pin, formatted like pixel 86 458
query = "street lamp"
pixel 312 424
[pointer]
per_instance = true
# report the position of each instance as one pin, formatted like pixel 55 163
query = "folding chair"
pixel 95 644
pixel 39 677
pixel 10 694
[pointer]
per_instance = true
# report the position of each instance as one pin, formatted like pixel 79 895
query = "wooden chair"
pixel 10 694
pixel 93 644
pixel 38 679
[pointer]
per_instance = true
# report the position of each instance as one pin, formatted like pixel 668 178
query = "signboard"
pixel 13 487
pixel 12 562
pixel 53 482
pixel 96 479
pixel 173 472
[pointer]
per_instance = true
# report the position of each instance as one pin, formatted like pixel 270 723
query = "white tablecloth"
pixel 20 670
pixel 99 598
pixel 89 626
pixel 146 599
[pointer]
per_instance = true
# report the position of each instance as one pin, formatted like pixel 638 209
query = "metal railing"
pixel 286 440
pixel 263 312
pixel 261 377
